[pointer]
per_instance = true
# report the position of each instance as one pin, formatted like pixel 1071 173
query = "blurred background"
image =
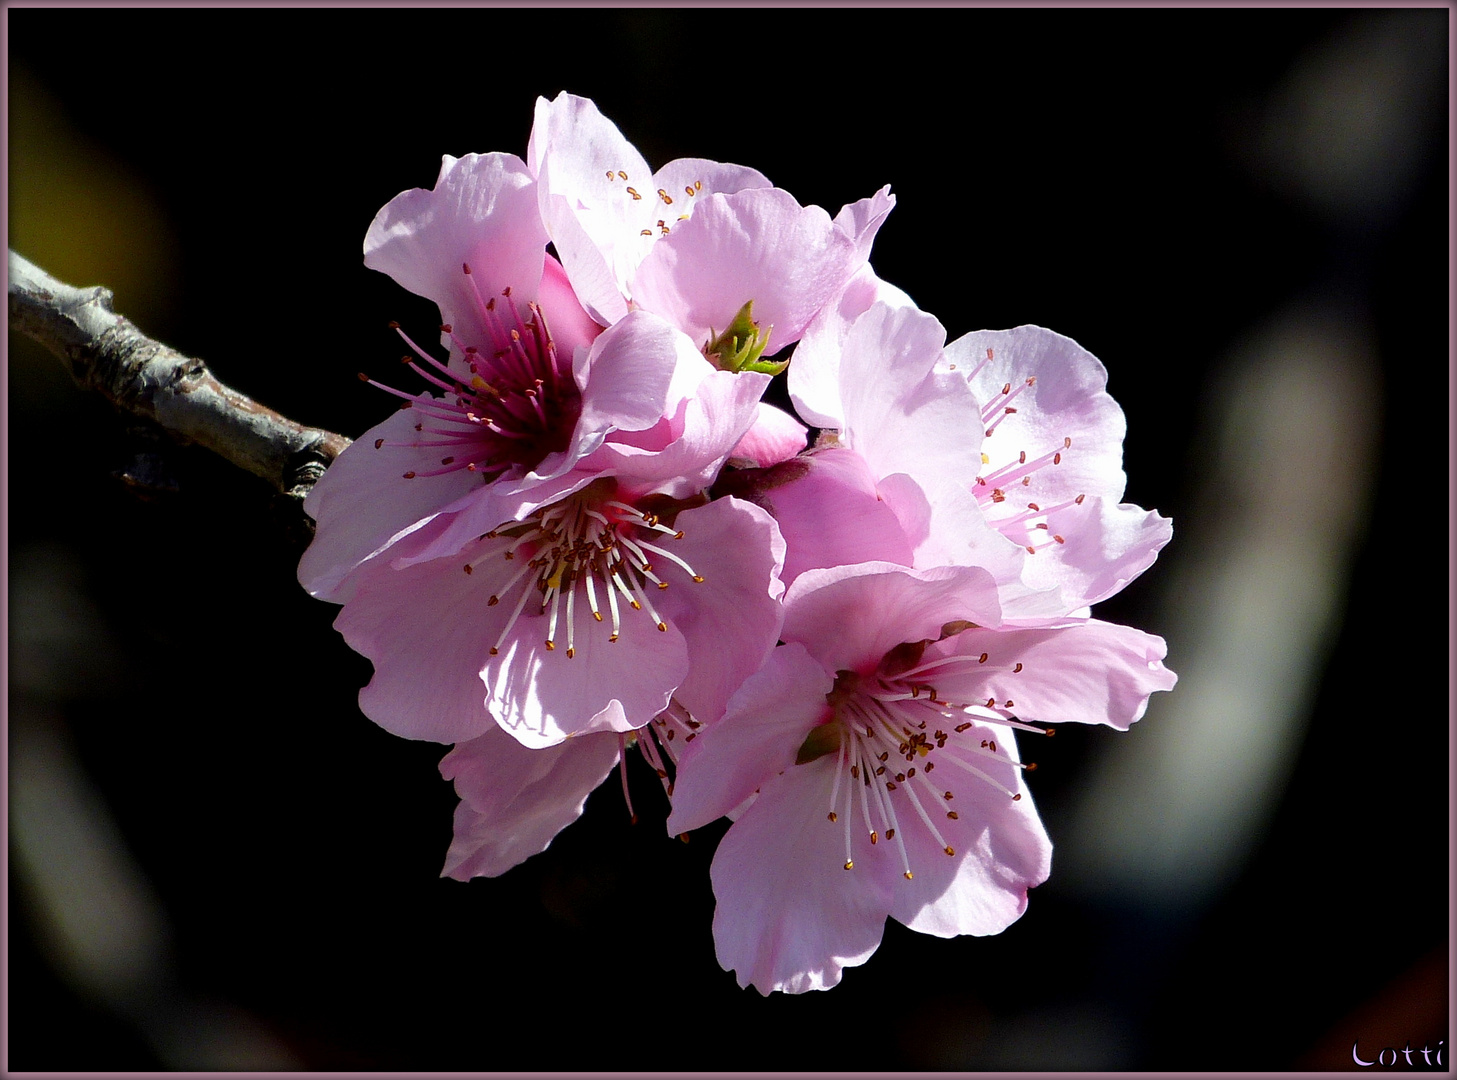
pixel 216 862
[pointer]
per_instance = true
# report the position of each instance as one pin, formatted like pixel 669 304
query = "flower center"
pixel 889 731
pixel 571 554
pixel 515 403
pixel 1025 523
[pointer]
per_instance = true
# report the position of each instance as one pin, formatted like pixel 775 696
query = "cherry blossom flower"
pixel 546 495
pixel 1052 475
pixel 872 768
pixel 1043 512
pixel 703 244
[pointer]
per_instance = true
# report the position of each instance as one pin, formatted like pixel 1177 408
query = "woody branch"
pixel 104 352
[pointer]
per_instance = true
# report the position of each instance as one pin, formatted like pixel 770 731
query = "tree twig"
pixel 105 352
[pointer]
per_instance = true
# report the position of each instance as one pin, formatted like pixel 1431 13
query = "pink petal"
pixel 481 212
pixel 1001 848
pixel 1105 546
pixel 593 221
pixel 1068 401
pixel 814 373
pixel 849 617
pixel 789 916
pixel 901 414
pixel 514 801
pixel 831 514
pixel 730 620
pixel 363 503
pixel 776 436
pixel 637 372
pixel 424 631
pixel 1088 672
pixel 945 527
pixel 567 321
pixel 765 724
pixel 685 455
pixel 862 220
pixel 704 177
pixel 541 696
pixel 757 244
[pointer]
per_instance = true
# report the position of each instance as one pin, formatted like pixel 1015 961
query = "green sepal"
pixel 739 347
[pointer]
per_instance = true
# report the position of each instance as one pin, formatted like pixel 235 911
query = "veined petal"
pixel 1091 672
pixel 831 514
pixel 761 731
pixel 1068 400
pixel 758 244
pixel 423 629
pixel 514 801
pixel 731 619
pixel 851 616
pixel 1103 547
pixel 944 527
pixel 481 212
pixel 862 220
pixel 789 917
pixel 901 414
pixel 363 503
pixel 542 696
pixel 776 436
pixel 587 176
pixel 637 372
pixel 814 374
pixel 688 452
pixel 1001 851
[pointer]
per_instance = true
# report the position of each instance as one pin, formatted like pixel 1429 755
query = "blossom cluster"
pixel 584 530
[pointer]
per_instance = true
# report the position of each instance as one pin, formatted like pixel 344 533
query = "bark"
pixel 106 353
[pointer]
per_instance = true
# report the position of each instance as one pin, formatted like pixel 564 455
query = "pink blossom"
pixel 694 242
pixel 1036 432
pixel 893 476
pixel 1052 476
pixel 545 496
pixel 872 768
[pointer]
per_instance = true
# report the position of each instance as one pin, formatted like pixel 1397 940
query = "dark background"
pixel 255 885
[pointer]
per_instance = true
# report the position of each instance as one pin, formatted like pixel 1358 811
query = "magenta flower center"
pixel 514 403
pixel 568 561
pixel 889 731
